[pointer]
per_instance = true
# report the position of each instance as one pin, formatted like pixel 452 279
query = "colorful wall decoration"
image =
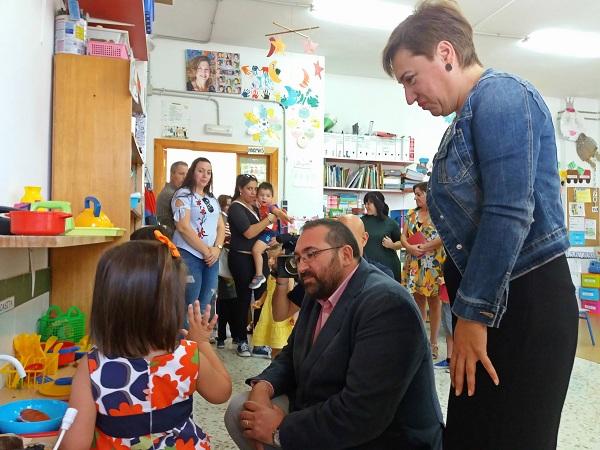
pixel 209 71
pixel 258 82
pixel 263 124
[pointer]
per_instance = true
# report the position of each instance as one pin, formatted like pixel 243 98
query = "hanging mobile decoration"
pixel 309 46
pixel 277 45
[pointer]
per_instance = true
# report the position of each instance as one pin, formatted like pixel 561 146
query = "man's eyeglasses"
pixel 312 254
pixel 208 204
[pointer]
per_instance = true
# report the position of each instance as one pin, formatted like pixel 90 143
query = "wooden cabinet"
pixel 91 155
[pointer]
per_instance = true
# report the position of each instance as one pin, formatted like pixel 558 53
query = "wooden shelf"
pixel 389 191
pixel 364 161
pixel 126 11
pixel 51 241
pixel 136 154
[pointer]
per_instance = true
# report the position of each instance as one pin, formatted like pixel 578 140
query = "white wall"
pixel 26 80
pixel 26 48
pixel 357 99
pixel 167 70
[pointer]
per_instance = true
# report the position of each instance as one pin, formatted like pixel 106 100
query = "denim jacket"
pixel 494 193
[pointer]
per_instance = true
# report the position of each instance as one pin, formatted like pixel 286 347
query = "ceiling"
pixel 356 51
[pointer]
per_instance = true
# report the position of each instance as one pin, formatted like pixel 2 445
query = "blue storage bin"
pixel 589 294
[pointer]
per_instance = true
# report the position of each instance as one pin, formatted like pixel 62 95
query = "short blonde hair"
pixel 433 21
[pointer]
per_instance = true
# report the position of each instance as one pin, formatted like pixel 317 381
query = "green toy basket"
pixel 68 326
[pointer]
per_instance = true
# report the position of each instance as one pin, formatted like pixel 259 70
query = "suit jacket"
pixel 367 381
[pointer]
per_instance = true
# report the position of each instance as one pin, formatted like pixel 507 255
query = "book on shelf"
pixel 367 177
pixel 413 175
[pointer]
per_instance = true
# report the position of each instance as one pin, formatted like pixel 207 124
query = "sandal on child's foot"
pixel 434 351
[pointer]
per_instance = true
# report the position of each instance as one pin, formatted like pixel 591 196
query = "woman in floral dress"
pixel 422 269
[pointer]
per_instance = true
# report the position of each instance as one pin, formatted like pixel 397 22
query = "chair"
pixel 585 315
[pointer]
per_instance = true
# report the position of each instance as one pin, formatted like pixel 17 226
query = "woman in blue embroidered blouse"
pixel 494 197
pixel 199 231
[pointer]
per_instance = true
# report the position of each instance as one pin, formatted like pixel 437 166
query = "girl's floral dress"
pixel 146 404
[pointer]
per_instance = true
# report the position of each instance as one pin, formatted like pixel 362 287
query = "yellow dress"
pixel 423 275
pixel 267 331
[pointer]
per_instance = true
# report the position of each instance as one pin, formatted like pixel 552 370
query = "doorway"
pixel 228 161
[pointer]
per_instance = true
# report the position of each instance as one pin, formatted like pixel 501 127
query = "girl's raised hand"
pixel 200 325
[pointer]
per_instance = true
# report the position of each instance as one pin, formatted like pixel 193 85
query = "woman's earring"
pixel 448 67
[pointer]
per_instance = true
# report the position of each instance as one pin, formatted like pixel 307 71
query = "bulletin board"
pixel 582 216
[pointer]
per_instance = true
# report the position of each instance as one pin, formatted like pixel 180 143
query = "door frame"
pixel 160 157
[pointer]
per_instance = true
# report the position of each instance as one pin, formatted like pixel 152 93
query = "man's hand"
pixel 260 421
pixel 470 346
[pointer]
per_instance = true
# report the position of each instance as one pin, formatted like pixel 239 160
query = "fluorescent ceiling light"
pixel 361 13
pixel 564 42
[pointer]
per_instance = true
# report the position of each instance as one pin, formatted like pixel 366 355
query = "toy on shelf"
pixel 68 326
pixel 34 359
pixel 422 167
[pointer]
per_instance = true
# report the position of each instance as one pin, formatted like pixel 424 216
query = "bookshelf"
pixel 374 161
pixel 354 165
pixel 388 191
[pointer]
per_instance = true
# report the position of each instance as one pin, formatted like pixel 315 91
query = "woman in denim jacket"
pixel 494 197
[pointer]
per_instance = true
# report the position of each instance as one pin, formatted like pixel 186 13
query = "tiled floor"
pixel 580 426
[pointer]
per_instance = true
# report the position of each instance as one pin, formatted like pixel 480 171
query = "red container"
pixel 37 223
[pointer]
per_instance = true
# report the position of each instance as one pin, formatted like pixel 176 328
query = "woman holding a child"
pixel 245 225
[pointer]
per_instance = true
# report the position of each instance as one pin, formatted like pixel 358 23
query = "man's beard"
pixel 321 287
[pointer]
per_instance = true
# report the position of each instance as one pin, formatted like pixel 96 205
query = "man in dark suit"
pixel 357 368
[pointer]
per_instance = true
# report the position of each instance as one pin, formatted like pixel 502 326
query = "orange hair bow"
pixel 165 240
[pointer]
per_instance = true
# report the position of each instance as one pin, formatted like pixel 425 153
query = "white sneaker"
pixel 257 281
pixel 243 350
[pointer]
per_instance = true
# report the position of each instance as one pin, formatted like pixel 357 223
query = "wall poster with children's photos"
pixel 210 71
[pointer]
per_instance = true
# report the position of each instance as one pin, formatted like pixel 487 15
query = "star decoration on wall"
pixel 318 69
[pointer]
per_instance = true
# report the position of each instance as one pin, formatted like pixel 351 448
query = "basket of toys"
pixel 68 326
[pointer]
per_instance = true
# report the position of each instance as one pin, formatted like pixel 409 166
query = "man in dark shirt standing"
pixel 164 214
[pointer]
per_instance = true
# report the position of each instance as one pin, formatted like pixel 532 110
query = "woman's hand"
pixel 200 325
pixel 470 346
pixel 387 242
pixel 423 248
pixel 414 250
pixel 212 256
